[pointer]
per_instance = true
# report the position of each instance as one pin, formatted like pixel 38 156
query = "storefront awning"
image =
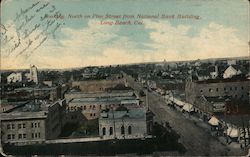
pixel 232 132
pixel 213 121
pixel 178 102
pixel 188 107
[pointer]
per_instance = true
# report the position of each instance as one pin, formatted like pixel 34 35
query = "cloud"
pixel 103 45
pixel 213 40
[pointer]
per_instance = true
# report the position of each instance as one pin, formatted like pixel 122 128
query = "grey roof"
pixel 131 113
pixel 102 100
pixel 23 115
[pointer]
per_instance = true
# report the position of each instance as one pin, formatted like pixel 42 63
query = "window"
pixel 242 87
pixel 210 90
pixel 90 106
pixel 122 130
pixel 39 135
pixel 201 90
pixel 129 130
pixel 84 107
pixel 103 131
pixel 19 126
pixel 217 89
pixel 35 125
pixel 38 124
pixel 225 88
pixel 35 135
pixel 13 136
pixel 94 114
pixel 32 135
pixel 9 137
pixel 93 107
pixel 111 131
pixel 90 114
pixel 32 125
pixel 19 136
pixel 24 125
pixel 24 135
pixel 8 126
pixel 230 88
pixel 13 126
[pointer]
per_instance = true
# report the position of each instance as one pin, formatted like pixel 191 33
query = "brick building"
pixel 32 123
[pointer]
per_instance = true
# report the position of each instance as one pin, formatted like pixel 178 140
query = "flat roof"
pixel 103 100
pixel 131 113
pixel 237 79
pixel 23 115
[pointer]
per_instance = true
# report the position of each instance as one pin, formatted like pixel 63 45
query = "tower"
pixel 33 74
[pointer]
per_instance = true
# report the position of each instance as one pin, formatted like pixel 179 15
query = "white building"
pixel 14 77
pixel 123 124
pixel 231 71
pixel 33 74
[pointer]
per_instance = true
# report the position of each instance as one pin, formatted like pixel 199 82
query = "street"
pixel 196 140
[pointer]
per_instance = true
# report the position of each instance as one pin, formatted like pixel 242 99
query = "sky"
pixel 45 34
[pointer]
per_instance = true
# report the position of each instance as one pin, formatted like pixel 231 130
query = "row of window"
pixel 35 125
pixel 23 125
pixel 13 136
pixel 122 130
pixel 225 89
pixel 23 136
pixel 74 108
pixel 35 135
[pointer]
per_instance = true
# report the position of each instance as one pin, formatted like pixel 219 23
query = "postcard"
pixel 125 77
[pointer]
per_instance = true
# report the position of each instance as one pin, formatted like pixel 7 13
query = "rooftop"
pixel 23 115
pixel 128 113
pixel 108 100
pixel 233 79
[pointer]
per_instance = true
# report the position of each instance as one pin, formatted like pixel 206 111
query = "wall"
pixel 33 128
pixel 138 126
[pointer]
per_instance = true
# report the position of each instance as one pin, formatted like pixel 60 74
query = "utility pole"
pixel 114 123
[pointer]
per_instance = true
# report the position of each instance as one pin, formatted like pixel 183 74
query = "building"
pixel 78 94
pixel 96 85
pixel 33 123
pixel 123 123
pixel 41 92
pixel 235 88
pixel 218 96
pixel 91 107
pixel 33 74
pixel 14 77
pixel 233 70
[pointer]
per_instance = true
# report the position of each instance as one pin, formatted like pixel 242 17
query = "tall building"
pixel 32 123
pixel 33 74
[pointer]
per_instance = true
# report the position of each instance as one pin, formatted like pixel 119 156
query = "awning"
pixel 188 107
pixel 178 102
pixel 213 121
pixel 232 132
